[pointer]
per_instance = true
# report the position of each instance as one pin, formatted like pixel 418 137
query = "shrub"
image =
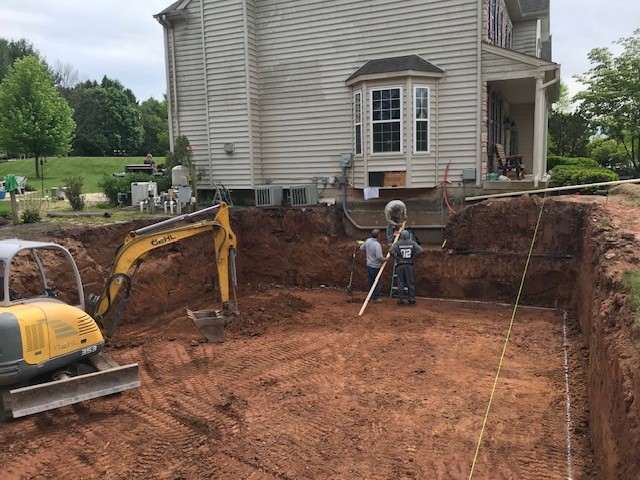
pixel 111 185
pixel 565 175
pixel 32 209
pixel 584 162
pixel 73 191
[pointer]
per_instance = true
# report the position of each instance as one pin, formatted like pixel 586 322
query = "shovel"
pixel 353 264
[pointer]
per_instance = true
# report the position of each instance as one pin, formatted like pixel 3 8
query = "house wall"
pixel 185 51
pixel 522 114
pixel 307 49
pixel 525 37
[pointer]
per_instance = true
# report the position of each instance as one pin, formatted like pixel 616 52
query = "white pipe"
pixel 552 189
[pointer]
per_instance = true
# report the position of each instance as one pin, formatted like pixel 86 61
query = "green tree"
pixel 34 118
pixel 156 126
pixel 612 98
pixel 107 116
pixel 569 134
pixel 607 151
pixel 12 51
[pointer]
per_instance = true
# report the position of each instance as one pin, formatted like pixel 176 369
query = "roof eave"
pixel 388 75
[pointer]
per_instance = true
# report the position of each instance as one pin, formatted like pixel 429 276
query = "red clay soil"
pixel 304 388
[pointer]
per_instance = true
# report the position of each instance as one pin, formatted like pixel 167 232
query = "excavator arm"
pixel 140 242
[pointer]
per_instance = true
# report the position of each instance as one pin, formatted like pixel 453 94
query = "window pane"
pixel 358 139
pixel 386 137
pixel 422 136
pixel 358 108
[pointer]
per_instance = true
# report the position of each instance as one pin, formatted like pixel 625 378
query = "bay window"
pixel 386 120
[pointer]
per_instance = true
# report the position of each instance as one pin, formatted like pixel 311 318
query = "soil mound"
pixel 277 310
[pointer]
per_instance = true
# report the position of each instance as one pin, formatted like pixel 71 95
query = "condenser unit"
pixel 302 195
pixel 268 196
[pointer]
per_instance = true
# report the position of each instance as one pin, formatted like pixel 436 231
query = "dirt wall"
pixel 611 332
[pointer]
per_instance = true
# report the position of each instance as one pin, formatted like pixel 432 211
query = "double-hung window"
pixel 357 122
pixel 386 120
pixel 421 118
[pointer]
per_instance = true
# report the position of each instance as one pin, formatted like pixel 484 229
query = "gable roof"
pixel 407 63
pixel 174 7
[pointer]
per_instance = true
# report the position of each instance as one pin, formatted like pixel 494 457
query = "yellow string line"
pixel 506 341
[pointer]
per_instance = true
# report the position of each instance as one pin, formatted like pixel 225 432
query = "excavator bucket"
pixel 211 323
pixel 20 402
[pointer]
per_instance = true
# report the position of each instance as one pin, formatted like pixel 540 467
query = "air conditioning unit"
pixel 268 196
pixel 302 195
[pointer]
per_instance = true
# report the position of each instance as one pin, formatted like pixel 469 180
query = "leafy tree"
pixel 156 126
pixel 34 118
pixel 612 98
pixel 107 116
pixel 569 134
pixel 607 151
pixel 12 51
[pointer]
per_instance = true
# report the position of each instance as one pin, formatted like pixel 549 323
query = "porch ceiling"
pixel 522 90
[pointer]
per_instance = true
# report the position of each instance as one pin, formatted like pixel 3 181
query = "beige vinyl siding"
pixel 525 37
pixel 254 93
pixel 522 114
pixel 496 67
pixel 307 49
pixel 227 94
pixel 190 117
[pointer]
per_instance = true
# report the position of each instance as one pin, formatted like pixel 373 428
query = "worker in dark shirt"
pixel 405 251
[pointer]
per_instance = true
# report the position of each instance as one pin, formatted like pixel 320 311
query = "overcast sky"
pixel 120 38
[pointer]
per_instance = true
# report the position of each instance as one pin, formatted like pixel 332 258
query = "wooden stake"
pixel 375 282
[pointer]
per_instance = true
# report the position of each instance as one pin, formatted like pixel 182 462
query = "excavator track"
pixel 109 378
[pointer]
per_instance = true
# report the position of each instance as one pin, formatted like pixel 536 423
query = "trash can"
pixel 3 194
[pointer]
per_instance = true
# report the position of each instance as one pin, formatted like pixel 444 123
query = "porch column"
pixel 538 128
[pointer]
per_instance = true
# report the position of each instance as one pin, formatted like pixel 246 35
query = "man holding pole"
pixel 405 251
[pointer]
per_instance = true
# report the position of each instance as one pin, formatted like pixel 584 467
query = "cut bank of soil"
pixel 303 388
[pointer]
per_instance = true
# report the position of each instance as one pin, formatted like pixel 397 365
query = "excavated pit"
pixel 304 388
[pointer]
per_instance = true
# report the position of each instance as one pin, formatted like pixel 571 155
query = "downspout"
pixel 479 119
pixel 169 26
pixel 247 80
pixel 165 30
pixel 206 94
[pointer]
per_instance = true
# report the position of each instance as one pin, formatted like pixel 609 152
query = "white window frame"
pixel 416 120
pixel 372 122
pixel 356 124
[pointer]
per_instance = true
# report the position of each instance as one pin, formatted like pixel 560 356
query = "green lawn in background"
pixel 58 168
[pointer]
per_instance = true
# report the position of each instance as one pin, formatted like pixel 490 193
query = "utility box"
pixel 303 195
pixel 268 196
pixel 141 191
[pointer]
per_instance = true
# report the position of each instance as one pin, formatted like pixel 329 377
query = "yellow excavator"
pixel 51 348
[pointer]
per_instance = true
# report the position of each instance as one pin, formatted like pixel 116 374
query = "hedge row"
pixel 584 162
pixel 111 185
pixel 564 175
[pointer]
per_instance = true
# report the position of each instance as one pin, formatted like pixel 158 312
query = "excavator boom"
pixel 140 242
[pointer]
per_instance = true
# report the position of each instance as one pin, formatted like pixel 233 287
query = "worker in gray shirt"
pixel 405 251
pixel 374 261
pixel 395 213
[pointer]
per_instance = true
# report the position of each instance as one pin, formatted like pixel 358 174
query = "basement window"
pixel 386 120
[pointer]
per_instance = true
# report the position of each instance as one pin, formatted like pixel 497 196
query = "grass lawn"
pixel 58 168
